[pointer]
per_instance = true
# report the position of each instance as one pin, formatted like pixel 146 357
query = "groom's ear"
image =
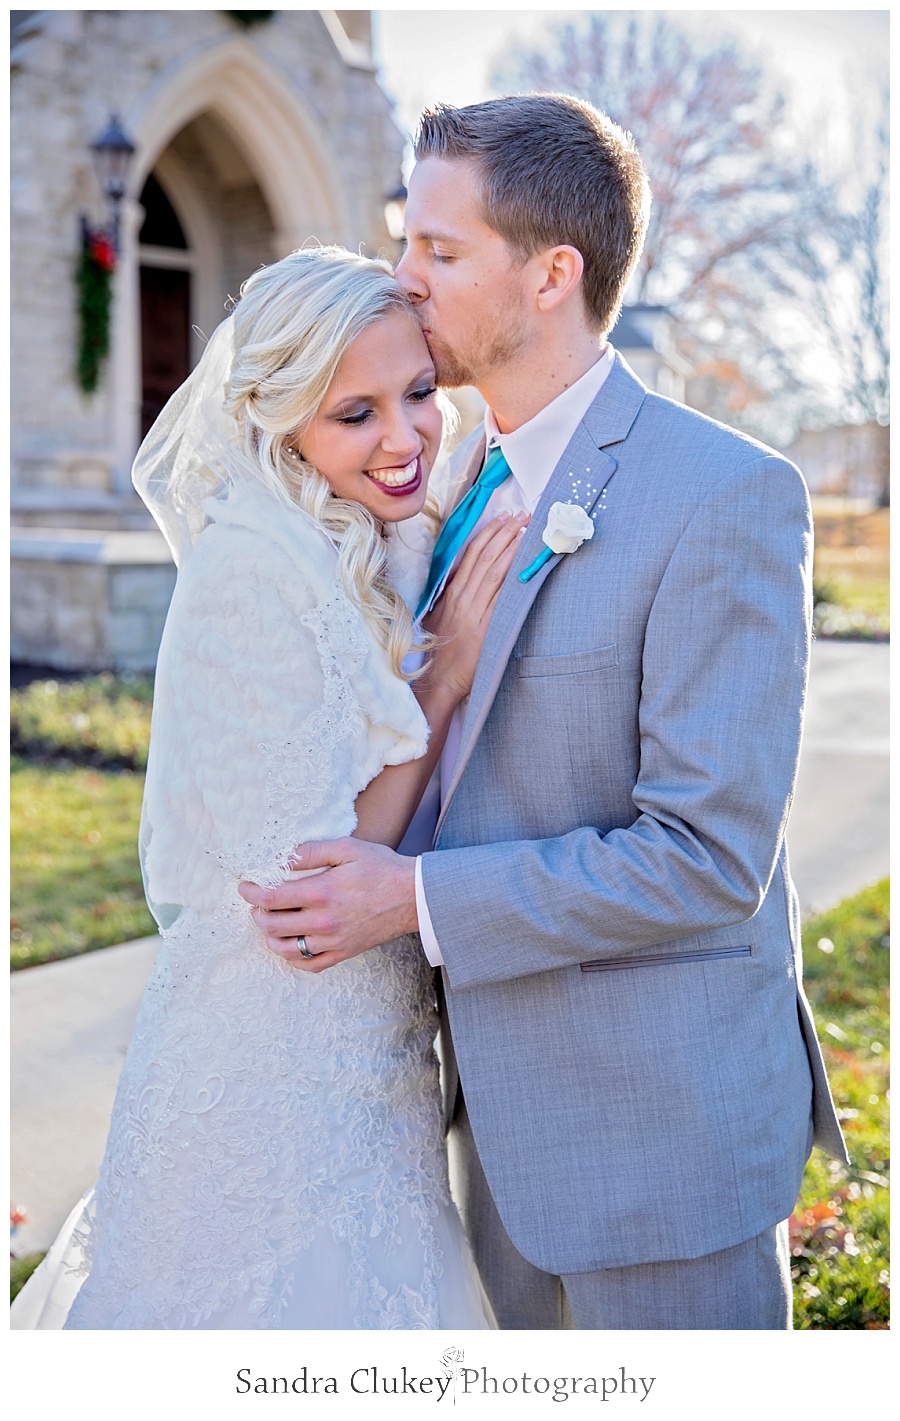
pixel 560 272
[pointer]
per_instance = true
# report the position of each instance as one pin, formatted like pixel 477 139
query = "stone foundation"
pixel 88 509
pixel 88 600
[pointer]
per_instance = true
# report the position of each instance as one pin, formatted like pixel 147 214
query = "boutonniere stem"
pixel 543 556
pixel 568 526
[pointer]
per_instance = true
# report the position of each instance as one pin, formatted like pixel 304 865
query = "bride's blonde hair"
pixel 292 325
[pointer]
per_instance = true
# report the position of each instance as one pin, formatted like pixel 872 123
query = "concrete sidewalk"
pixel 839 829
pixel 72 1020
pixel 71 1023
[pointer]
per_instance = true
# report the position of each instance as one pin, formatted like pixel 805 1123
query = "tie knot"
pixel 495 471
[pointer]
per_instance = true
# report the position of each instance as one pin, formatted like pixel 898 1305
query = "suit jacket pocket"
pixel 599 658
pixel 665 959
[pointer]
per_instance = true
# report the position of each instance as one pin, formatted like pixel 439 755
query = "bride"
pixel 276 1156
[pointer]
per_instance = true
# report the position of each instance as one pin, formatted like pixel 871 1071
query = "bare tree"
pixel 729 249
pixel 846 265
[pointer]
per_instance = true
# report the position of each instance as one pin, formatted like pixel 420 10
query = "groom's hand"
pixel 366 896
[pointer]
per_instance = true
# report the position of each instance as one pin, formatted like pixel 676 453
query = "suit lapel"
pixel 582 476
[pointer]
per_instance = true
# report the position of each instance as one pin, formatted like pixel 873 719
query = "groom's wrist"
pixel 388 904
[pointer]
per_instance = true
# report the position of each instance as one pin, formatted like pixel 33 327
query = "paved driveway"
pixel 71 1021
pixel 838 833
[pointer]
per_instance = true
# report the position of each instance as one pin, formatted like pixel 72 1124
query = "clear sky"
pixel 825 61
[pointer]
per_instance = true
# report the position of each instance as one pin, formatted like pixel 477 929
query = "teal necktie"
pixel 460 524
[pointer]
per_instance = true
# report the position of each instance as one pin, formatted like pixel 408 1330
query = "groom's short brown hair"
pixel 554 170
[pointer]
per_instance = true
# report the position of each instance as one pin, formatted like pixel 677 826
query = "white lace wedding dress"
pixel 276 1154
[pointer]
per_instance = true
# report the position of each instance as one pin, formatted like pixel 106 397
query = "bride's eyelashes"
pixel 360 416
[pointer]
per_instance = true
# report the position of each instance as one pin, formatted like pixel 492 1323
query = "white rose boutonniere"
pixel 568 526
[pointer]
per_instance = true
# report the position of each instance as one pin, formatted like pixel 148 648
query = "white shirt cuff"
pixel 426 931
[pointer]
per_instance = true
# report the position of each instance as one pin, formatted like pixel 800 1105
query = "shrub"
pixel 103 720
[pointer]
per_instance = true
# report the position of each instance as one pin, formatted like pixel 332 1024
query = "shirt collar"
pixel 534 449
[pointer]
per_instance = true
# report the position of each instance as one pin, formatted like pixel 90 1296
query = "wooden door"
pixel 165 337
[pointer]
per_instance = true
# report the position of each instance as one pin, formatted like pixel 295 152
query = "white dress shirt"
pixel 532 452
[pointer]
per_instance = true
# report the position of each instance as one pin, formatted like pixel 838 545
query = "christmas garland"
pixel 94 281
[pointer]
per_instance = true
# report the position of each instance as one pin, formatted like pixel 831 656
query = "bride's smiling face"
pixel 378 429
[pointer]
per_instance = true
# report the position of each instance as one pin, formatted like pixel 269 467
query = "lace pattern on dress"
pixel 233 1150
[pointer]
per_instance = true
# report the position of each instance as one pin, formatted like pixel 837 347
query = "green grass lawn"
pixel 76 786
pixel 840 1225
pixel 76 881
pixel 20 1270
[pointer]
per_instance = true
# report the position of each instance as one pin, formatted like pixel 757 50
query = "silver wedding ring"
pixel 303 949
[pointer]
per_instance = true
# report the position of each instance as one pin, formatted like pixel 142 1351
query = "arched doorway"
pixel 206 226
pixel 249 176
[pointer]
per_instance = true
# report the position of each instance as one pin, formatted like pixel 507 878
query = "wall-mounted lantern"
pixel 113 152
pixel 395 211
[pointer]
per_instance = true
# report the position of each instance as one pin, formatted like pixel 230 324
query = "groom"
pixel 608 890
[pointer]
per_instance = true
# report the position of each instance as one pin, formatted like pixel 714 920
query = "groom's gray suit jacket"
pixel 610 888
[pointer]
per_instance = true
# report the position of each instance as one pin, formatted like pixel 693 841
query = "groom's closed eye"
pixel 433 246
